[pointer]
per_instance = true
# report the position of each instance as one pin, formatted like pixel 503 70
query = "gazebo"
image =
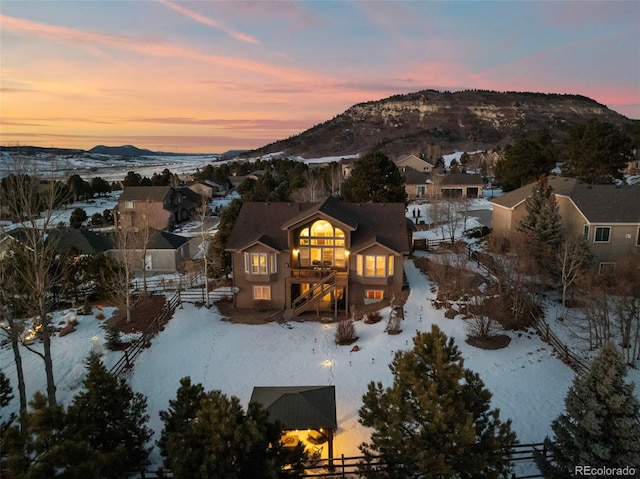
pixel 301 408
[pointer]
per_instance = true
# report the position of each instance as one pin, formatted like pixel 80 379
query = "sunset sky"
pixel 209 76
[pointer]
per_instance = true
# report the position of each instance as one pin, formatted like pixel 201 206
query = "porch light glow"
pixel 295 251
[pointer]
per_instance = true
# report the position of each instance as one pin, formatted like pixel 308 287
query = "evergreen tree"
pixel 109 419
pixel 543 217
pixel 78 215
pixel 525 160
pixel 6 395
pixel 209 436
pixel 596 152
pixel 374 178
pixel 435 420
pixel 219 259
pixel 601 423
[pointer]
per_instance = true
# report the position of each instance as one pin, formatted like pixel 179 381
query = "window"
pixel 585 232
pixel 260 263
pixel 602 234
pixel 606 268
pixel 322 244
pixel 638 238
pixel 128 205
pixel 262 292
pixel 376 294
pixel 378 266
pixel 420 190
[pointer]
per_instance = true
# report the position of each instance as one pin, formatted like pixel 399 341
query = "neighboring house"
pixel 460 185
pixel 412 161
pixel 325 256
pixel 633 167
pixel 165 253
pixel 156 207
pixel 607 216
pixel 209 189
pixel 418 184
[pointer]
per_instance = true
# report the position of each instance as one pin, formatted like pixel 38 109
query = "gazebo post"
pixel 330 451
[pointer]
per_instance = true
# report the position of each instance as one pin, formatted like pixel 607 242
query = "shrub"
pixel 114 338
pixel 373 317
pixel 346 332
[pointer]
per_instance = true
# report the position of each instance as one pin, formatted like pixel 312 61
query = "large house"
pixel 157 207
pixel 326 256
pixel 607 216
pixel 414 162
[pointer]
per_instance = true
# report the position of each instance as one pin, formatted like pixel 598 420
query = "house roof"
pixel 598 203
pixel 407 158
pixel 166 240
pixel 461 179
pixel 144 193
pixel 299 407
pixel 415 177
pixel 83 240
pixel 269 223
pixel 192 197
pixel 607 204
pixel 559 184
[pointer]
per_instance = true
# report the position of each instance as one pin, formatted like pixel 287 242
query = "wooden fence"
pixel 347 467
pixel 569 357
pixel 200 296
pixel 166 284
pixel 541 326
pixel 130 354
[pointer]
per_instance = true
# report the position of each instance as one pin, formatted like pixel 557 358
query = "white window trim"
pixel 595 234
pixel 270 259
pixel 262 289
pixel 638 236
pixel 361 266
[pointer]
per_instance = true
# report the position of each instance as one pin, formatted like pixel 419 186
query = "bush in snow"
pixel 346 332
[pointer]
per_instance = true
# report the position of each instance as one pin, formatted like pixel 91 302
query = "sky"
pixel 210 76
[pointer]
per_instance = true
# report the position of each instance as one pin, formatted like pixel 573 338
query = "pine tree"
pixel 6 395
pixel 209 435
pixel 601 423
pixel 435 420
pixel 109 419
pixel 374 178
pixel 543 217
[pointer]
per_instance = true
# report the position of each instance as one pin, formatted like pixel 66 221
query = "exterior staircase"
pixel 313 295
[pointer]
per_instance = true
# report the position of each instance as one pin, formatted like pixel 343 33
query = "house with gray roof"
pixel 157 207
pixel 326 257
pixel 607 216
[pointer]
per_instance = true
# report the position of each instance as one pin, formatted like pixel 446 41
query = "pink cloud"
pixel 75 37
pixel 208 21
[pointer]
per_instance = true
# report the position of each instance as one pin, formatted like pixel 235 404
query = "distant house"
pixel 414 162
pixel 418 184
pixel 607 216
pixel 327 256
pixel 346 166
pixel 460 185
pixel 157 207
pixel 209 189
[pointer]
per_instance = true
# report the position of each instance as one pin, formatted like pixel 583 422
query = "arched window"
pixel 322 245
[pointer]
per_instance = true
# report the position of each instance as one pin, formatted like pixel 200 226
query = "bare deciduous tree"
pixel 32 201
pixel 572 256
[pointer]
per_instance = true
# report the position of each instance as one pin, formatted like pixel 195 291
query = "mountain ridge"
pixel 460 121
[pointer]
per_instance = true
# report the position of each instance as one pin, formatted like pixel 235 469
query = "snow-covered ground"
pixel 528 383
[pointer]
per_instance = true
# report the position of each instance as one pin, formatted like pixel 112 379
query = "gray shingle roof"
pixel 166 240
pixel 299 407
pixel 83 240
pixel 559 184
pixel 415 177
pixel 461 179
pixel 605 204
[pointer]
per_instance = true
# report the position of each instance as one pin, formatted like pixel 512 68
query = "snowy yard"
pixel 527 381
